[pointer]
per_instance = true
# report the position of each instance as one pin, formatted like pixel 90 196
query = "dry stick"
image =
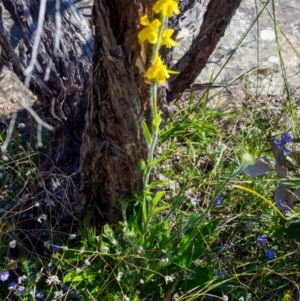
pixel 36 43
pixel 8 136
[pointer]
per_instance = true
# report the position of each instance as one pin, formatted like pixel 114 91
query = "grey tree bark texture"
pixel 96 97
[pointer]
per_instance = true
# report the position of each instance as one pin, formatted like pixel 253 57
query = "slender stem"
pixel 156 46
pixel 155 129
pixel 155 132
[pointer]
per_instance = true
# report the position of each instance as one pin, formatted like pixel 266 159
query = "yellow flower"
pixel 150 31
pixel 158 71
pixel 166 38
pixel 166 7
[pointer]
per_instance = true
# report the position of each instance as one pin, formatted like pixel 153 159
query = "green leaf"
pixel 156 123
pixel 161 208
pixel 147 132
pixel 157 198
pixel 154 162
pixel 70 276
pixel 143 165
pixel 87 275
pixel 157 183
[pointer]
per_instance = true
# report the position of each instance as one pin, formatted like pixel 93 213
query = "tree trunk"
pixel 109 142
pixel 113 141
pixel 63 96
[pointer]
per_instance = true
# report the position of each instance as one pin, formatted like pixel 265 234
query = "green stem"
pixel 155 129
pixel 156 46
pixel 155 132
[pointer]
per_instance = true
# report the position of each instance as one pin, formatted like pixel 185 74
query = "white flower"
pixel 72 236
pixel 169 279
pixel 81 250
pixel 53 279
pixel 38 276
pixel 142 281
pixel 58 295
pixel 41 217
pixel 120 275
pixel 47 244
pixel 104 249
pixel 194 201
pixel 97 238
pixel 78 270
pixel 140 250
pixel 13 244
pixel 50 264
pixel 126 298
pixel 37 204
pixel 87 262
pixel 22 278
pixel 164 261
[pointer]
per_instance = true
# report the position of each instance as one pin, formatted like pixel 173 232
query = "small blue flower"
pixel 12 285
pixel 270 253
pixel 262 240
pixel 249 224
pixel 21 290
pixel 218 201
pixel 40 295
pixel 287 137
pixel 287 151
pixel 279 143
pixel 74 295
pixel 66 288
pixel 222 274
pixel 4 275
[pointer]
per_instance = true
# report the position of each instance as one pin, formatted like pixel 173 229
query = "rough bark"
pixel 63 96
pixel 113 141
pixel 216 19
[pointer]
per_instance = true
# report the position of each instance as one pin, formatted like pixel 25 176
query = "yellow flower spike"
pixel 150 31
pixel 145 21
pixel 166 38
pixel 159 71
pixel 166 7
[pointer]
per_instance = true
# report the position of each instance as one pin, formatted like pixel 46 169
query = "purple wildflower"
pixel 74 295
pixel 287 137
pixel 287 151
pixel 21 290
pixel 4 275
pixel 270 253
pixel 221 274
pixel 40 295
pixel 279 143
pixel 218 201
pixel 12 285
pixel 262 240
